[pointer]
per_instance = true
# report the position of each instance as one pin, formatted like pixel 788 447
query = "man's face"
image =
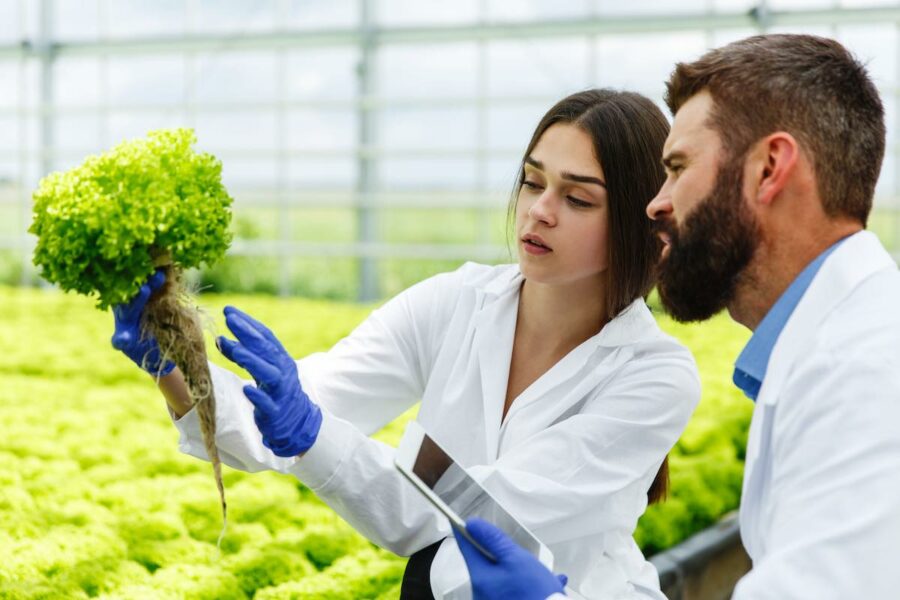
pixel 709 232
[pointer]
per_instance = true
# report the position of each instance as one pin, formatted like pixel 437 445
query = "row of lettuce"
pixel 96 501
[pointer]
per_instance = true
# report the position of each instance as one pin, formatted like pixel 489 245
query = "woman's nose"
pixel 544 209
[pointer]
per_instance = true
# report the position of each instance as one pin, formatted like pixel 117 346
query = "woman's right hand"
pixel 142 350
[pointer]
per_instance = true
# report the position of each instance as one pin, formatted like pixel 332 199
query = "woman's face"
pixel 562 221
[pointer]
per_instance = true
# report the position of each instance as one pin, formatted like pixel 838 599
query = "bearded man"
pixel 772 161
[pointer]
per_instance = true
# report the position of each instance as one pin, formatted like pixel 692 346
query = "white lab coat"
pixel 573 459
pixel 820 514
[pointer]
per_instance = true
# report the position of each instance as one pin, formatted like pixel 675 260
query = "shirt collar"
pixel 750 367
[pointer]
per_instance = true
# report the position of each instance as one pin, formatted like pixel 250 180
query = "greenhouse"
pixel 328 167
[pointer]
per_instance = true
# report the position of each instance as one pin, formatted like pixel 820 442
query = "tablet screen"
pixel 465 495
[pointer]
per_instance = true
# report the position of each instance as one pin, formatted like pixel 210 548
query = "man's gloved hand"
pixel 144 351
pixel 288 420
pixel 517 574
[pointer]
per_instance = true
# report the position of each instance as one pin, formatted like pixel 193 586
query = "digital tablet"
pixel 455 493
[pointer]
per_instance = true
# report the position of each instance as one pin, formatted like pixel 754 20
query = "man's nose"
pixel 661 205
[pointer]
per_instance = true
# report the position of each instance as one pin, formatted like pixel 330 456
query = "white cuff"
pixel 336 441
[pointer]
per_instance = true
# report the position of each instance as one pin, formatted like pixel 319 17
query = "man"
pixel 772 161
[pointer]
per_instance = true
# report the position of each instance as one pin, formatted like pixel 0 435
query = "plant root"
pixel 172 319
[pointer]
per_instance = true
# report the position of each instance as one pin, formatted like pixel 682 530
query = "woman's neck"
pixel 562 316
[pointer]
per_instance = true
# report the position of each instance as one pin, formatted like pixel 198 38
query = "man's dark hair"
pixel 808 86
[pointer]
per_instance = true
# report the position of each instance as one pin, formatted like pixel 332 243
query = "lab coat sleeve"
pixel 578 467
pixel 353 474
pixel 366 379
pixel 833 529
pixel 378 371
pixel 237 437
pixel 361 384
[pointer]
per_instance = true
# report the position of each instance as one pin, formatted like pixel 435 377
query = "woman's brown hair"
pixel 628 132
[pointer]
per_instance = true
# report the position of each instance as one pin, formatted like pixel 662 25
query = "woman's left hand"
pixel 288 420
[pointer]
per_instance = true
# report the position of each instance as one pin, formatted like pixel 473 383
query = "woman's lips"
pixel 535 249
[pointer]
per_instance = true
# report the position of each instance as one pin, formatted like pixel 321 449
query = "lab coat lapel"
pixel 494 332
pixel 856 259
pixel 631 325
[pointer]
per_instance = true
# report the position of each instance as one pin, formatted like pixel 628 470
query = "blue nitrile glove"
pixel 144 351
pixel 288 420
pixel 517 574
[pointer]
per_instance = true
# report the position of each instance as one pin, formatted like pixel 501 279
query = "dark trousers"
pixel 417 577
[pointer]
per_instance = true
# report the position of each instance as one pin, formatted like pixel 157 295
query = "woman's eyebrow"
pixel 583 179
pixel 567 175
pixel 534 163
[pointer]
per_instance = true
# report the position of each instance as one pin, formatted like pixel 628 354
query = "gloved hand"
pixel 517 574
pixel 144 351
pixel 288 420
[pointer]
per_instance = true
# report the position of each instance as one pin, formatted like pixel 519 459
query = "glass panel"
pixel 138 18
pixel 9 83
pixel 651 7
pixel 142 80
pixel 452 128
pixel 234 16
pixel 30 87
pixel 537 10
pixel 321 129
pixel 734 6
pixel 416 12
pixel 552 68
pixel 9 134
pixel 11 21
pixel 886 190
pixel 239 173
pixel 235 77
pixel 322 173
pixel 129 125
pixel 642 63
pixel 868 3
pixel 426 173
pixel 322 73
pixel 313 14
pixel 75 20
pixel 237 130
pixel 720 37
pixel 510 127
pixel 77 132
pixel 76 81
pixel 821 30
pixel 889 100
pixel 799 4
pixel 502 172
pixel 424 71
pixel 876 46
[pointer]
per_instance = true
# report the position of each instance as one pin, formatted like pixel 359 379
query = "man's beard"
pixel 709 253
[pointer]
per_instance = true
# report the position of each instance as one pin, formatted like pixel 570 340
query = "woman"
pixel 549 379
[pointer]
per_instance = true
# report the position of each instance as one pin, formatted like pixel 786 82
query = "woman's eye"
pixel 531 185
pixel 577 202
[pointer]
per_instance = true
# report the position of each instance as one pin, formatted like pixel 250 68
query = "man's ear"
pixel 777 156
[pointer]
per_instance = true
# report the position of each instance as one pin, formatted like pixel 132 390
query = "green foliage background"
pixel 96 500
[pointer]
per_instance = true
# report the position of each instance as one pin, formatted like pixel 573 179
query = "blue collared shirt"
pixel 750 367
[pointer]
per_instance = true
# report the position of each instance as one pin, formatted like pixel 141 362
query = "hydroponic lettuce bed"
pixel 96 501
